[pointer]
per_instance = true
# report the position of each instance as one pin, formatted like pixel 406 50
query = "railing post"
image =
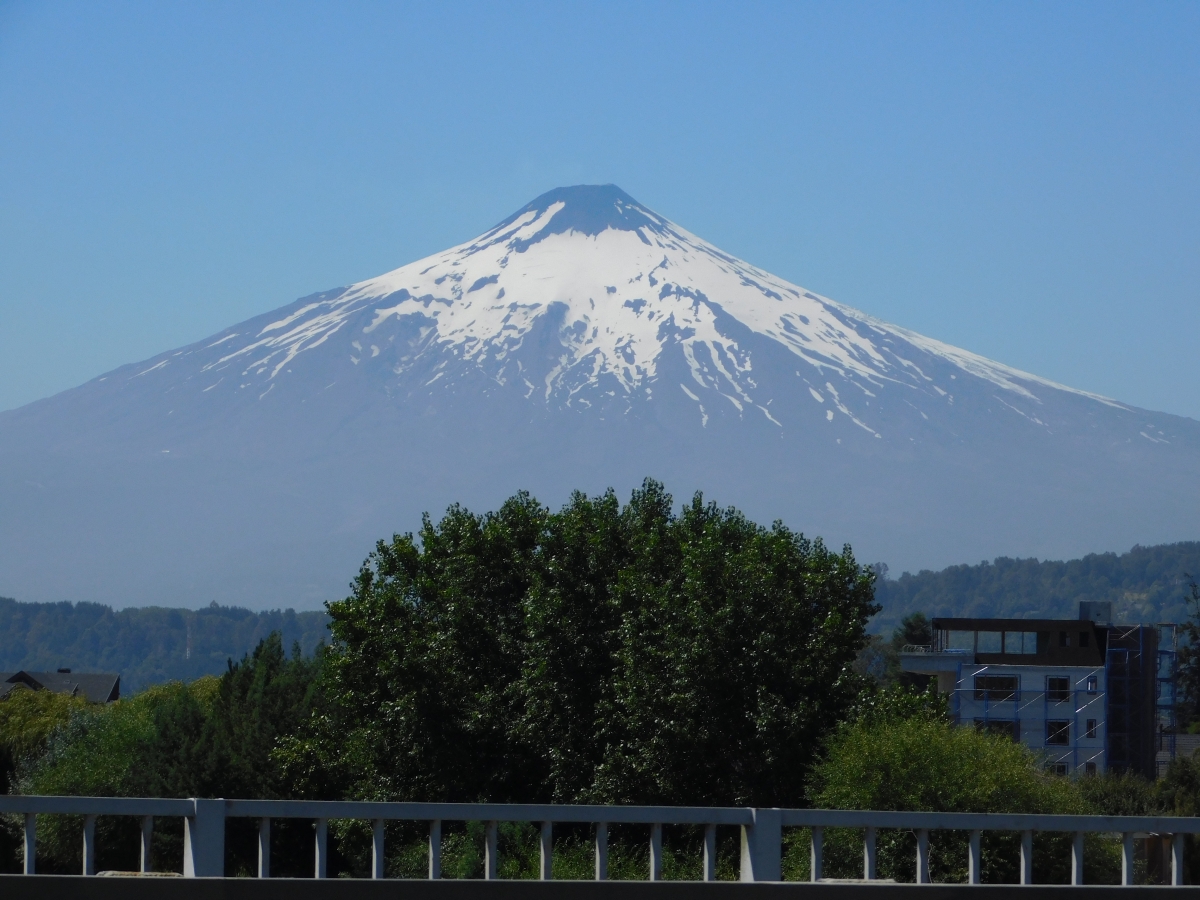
pixel 264 848
pixel 922 856
pixel 710 852
pixel 762 855
pixel 547 852
pixel 869 854
pixel 1177 859
pixel 656 852
pixel 1026 857
pixel 30 843
pixel 1077 858
pixel 435 848
pixel 816 854
pixel 321 849
pixel 975 858
pixel 1127 858
pixel 144 862
pixel 491 845
pixel 89 845
pixel 204 840
pixel 601 851
pixel 377 857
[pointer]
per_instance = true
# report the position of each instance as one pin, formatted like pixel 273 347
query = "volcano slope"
pixel 584 342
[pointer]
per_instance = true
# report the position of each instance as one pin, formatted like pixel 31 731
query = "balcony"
pixel 928 659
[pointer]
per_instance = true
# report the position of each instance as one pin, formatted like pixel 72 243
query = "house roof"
pixel 98 687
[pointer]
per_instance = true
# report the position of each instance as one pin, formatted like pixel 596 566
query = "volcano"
pixel 585 342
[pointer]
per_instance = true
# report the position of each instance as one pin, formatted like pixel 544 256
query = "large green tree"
pixel 599 653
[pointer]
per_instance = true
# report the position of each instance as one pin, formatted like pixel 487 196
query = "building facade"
pixel 1089 695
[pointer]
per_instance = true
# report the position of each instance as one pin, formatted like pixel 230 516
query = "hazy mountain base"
pixel 146 645
pixel 1145 585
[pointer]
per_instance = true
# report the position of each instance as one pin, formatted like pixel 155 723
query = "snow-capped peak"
pixel 624 284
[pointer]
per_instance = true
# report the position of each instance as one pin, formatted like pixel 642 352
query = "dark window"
pixel 1056 768
pixel 1007 728
pixel 1093 684
pixel 1064 639
pixel 1091 728
pixel 1058 731
pixel 1058 690
pixel 1083 639
pixel 1089 768
pixel 995 687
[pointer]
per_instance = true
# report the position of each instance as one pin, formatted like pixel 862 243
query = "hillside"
pixel 1147 584
pixel 146 645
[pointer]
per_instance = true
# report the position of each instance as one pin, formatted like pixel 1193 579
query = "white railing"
pixel 920 649
pixel 761 831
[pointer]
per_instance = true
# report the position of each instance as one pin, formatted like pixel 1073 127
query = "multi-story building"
pixel 1089 694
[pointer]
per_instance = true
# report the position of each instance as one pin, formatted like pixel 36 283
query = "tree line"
pixel 145 645
pixel 1145 585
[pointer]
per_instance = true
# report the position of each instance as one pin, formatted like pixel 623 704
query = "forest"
pixel 144 645
pixel 1146 585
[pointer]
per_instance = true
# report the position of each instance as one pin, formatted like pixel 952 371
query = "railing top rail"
pixel 100 806
pixel 484 812
pixel 665 815
pixel 946 821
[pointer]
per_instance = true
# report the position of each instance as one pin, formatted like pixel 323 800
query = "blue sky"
pixel 1022 180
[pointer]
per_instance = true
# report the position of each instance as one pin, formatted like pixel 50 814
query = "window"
pixel 988 641
pixel 1083 639
pixel 1064 639
pixel 1091 728
pixel 1020 642
pixel 1058 689
pixel 1093 684
pixel 1058 732
pixel 1089 768
pixel 960 640
pixel 1057 768
pixel 1008 728
pixel 996 688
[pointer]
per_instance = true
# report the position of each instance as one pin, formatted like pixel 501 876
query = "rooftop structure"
pixel 1089 694
pixel 98 687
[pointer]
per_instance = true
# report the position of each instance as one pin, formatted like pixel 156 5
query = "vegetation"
pixel 601 653
pixel 1145 585
pixel 150 645
pixel 918 760
pixel 598 654
pixel 213 737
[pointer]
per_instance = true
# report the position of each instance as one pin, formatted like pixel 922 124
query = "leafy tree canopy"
pixel 600 653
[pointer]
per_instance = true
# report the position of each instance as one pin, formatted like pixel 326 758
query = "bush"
pixel 925 763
